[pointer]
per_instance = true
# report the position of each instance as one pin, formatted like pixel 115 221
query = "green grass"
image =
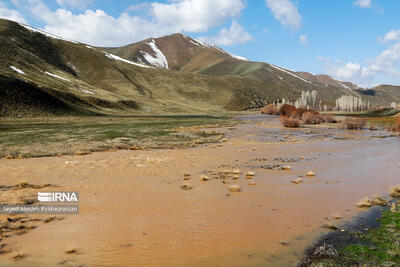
pixel 378 247
pixel 66 136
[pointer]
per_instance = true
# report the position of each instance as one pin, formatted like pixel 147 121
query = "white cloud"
pixel 363 3
pixel 196 15
pixel 82 4
pixel 385 67
pixel 286 12
pixel 347 71
pixel 99 28
pixel 303 39
pixel 387 63
pixel 393 35
pixel 10 14
pixel 234 35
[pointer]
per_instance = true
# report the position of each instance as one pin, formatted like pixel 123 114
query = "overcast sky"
pixel 352 40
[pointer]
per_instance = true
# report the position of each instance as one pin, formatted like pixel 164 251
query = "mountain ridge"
pixel 188 77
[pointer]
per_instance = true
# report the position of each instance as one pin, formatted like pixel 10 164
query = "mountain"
pixel 42 74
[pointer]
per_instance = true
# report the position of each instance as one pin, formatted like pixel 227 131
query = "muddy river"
pixel 133 211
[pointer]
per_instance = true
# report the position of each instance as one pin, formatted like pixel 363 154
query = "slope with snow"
pixel 56 76
pixel 17 70
pixel 288 72
pixel 158 60
pixel 114 57
pixel 46 33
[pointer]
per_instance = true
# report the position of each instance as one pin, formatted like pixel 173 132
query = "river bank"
pixel 133 210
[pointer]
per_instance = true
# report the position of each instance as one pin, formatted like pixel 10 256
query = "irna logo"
pixel 58 196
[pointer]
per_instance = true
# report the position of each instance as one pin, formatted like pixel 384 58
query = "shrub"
pixel 270 109
pixel 301 110
pixel 310 117
pixel 354 123
pixel 290 122
pixel 330 119
pixel 288 111
pixel 396 126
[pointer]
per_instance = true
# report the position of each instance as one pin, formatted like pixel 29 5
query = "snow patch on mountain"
pixel 114 57
pixel 238 57
pixel 193 42
pixel 56 76
pixel 86 91
pixel 159 60
pixel 340 83
pixel 288 72
pixel 203 43
pixel 46 33
pixel 17 70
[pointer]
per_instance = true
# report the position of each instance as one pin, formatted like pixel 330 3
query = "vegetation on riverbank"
pixel 377 247
pixel 47 137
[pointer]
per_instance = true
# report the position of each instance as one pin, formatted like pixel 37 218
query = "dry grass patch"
pixel 290 122
pixel 395 191
pixel 364 203
pixel 354 123
pixel 271 109
pixel 396 126
pixel 310 117
pixel 379 201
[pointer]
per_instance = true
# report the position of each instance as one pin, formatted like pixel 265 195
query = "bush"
pixel 310 117
pixel 396 126
pixel 288 111
pixel 354 123
pixel 290 122
pixel 270 109
pixel 330 119
pixel 301 110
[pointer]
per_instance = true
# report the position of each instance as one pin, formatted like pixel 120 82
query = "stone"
pixel 297 181
pixel 204 178
pixel 234 188
pixel 310 174
pixel 186 186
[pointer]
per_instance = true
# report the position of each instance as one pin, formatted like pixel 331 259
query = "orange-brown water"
pixel 134 213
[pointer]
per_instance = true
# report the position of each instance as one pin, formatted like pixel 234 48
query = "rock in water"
pixel 310 174
pixel 186 186
pixel 236 171
pixel 204 178
pixel 297 181
pixel 234 188
pixel 186 176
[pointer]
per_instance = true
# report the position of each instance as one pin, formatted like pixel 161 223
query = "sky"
pixel 352 40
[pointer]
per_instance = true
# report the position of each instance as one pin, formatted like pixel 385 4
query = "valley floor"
pixel 134 211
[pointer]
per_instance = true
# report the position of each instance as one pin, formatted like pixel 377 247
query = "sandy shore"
pixel 133 211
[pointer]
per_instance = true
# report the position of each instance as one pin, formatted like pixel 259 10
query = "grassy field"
pixel 378 247
pixel 61 136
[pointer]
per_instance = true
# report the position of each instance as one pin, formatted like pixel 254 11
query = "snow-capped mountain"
pixel 41 73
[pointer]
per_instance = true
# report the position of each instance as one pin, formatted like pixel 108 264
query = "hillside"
pixel 42 74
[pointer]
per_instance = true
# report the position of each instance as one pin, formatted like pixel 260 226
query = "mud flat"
pixel 134 211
